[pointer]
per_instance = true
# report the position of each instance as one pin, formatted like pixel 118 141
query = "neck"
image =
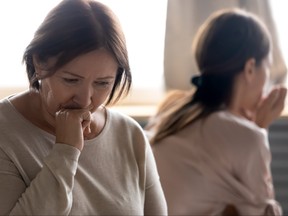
pixel 238 102
pixel 29 104
pixel 46 121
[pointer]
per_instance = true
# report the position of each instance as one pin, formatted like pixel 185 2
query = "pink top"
pixel 221 160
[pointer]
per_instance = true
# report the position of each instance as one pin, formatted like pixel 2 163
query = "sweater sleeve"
pixel 255 173
pixel 50 192
pixel 155 203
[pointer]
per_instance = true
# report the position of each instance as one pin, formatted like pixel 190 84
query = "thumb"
pixel 86 120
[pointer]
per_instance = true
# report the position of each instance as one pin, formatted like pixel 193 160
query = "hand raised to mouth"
pixel 71 125
pixel 271 107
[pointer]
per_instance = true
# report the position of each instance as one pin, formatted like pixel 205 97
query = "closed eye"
pixel 69 80
pixel 102 84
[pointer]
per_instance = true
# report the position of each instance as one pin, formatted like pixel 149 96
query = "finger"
pixel 86 132
pixel 89 108
pixel 86 120
pixel 86 116
pixel 266 105
pixel 280 100
pixel 61 114
pixel 270 100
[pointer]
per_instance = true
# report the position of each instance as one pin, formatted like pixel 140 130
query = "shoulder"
pixel 6 110
pixel 3 104
pixel 118 118
pixel 230 122
pixel 8 122
pixel 122 123
pixel 238 132
pixel 127 133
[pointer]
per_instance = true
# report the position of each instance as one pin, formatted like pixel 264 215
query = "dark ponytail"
pixel 223 45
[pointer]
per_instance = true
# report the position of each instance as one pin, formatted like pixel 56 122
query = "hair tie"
pixel 197 80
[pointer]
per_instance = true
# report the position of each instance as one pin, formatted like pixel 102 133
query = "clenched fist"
pixel 71 124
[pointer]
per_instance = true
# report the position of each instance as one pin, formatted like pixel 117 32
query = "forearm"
pixel 155 203
pixel 51 190
pixel 258 180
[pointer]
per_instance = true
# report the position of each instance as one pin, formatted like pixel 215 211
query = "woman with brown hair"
pixel 62 150
pixel 210 143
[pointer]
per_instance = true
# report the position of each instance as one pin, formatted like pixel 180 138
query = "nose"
pixel 83 96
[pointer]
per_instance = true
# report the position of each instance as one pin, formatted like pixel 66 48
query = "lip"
pixel 90 107
pixel 72 107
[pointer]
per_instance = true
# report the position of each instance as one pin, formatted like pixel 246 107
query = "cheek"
pixel 265 84
pixel 101 96
pixel 262 79
pixel 261 89
pixel 52 97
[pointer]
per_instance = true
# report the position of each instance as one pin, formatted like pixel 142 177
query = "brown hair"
pixel 223 44
pixel 76 27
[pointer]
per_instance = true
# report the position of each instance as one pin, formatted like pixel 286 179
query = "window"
pixel 18 21
pixel 279 11
pixel 143 23
pixel 280 17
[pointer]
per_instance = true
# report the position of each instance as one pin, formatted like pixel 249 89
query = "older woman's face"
pixel 86 80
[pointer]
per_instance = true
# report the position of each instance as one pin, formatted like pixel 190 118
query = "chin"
pixel 94 109
pixel 254 107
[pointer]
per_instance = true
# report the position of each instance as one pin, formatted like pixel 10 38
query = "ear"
pixel 249 70
pixel 37 65
pixel 40 67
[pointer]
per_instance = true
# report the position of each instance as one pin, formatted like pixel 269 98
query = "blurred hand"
pixel 270 107
pixel 71 124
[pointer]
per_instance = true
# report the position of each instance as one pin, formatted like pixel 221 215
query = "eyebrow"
pixel 76 75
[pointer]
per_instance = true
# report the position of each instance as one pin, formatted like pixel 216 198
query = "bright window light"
pixel 279 11
pixel 18 20
pixel 143 22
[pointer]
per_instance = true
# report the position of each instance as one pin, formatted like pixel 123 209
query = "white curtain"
pixel 183 20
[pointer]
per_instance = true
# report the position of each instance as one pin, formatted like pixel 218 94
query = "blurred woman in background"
pixel 210 143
